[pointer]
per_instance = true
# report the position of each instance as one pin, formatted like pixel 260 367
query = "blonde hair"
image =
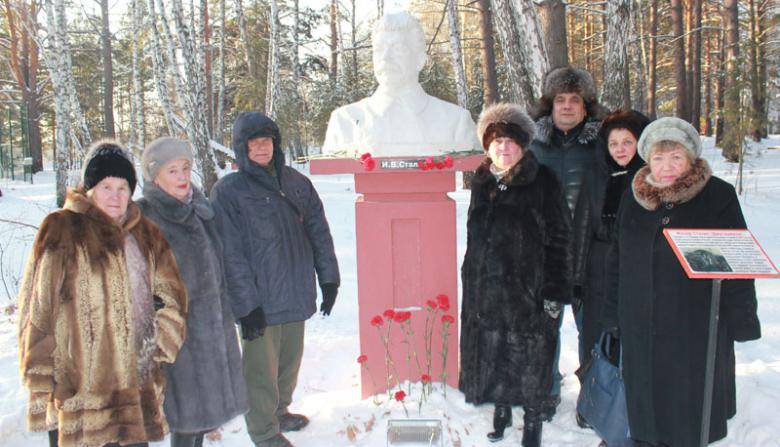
pixel 668 146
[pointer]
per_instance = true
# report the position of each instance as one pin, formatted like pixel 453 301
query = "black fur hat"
pixel 505 120
pixel 633 121
pixel 107 158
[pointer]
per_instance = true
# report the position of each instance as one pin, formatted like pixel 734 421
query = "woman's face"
pixel 622 146
pixel 111 195
pixel 174 178
pixel 504 152
pixel 667 165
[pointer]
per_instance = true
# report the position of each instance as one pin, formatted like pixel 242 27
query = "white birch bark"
pixel 218 132
pixel 55 65
pixel 137 128
pixel 241 18
pixel 158 65
pixel 457 54
pixel 297 80
pixel 532 45
pixel 273 86
pixel 614 92
pixel 66 72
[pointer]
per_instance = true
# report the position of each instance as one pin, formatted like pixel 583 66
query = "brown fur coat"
pixel 76 342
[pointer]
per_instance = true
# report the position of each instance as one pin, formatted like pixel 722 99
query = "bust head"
pixel 398 43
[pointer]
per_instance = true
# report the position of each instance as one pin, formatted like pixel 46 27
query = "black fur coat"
pixel 518 255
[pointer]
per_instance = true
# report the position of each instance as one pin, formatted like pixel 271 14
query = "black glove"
pixel 157 302
pixel 614 347
pixel 329 292
pixel 253 325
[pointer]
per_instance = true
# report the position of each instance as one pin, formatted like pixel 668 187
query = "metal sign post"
pixel 709 370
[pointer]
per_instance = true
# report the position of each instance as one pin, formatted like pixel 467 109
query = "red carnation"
pixel 421 164
pixel 389 314
pixel 429 163
pixel 377 321
pixel 400 396
pixel 448 162
pixel 444 302
pixel 431 304
pixel 425 378
pixel 447 320
pixel 369 164
pixel 365 156
pixel 439 165
pixel 362 358
pixel 400 317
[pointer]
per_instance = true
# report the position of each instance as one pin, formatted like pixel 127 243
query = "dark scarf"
pixel 617 183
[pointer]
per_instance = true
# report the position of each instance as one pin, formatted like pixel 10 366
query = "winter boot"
pixel 532 431
pixel 502 418
pixel 186 439
pixel 279 440
pixel 292 422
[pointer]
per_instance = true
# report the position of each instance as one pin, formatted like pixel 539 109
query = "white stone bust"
pixel 399 119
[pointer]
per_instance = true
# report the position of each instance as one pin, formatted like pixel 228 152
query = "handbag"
pixel 602 399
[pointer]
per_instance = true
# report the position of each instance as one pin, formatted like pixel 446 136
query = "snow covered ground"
pixel 328 390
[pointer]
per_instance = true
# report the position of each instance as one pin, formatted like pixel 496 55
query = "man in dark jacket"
pixel 276 237
pixel 568 118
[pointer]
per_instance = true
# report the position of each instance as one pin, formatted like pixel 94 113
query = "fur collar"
pixel 523 173
pixel 650 195
pixel 545 127
pixel 175 210
pixel 77 201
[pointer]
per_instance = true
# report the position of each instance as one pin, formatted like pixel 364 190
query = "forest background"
pixel 75 71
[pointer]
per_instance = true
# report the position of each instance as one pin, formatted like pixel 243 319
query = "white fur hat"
pixel 670 129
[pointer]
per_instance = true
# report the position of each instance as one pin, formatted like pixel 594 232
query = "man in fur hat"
pixel 568 118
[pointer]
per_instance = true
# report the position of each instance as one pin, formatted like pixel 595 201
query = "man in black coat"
pixel 276 238
pixel 568 118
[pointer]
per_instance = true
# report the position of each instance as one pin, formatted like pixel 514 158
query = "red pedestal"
pixel 406 255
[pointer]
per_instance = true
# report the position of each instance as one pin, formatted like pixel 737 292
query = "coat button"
pixel 669 206
pixel 665 220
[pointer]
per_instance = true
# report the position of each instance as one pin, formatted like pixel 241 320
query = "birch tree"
pixel 678 32
pixel 158 65
pixel 220 106
pixel 521 42
pixel 137 126
pixel 273 87
pixel 66 72
pixel 488 54
pixel 652 78
pixel 732 141
pixel 553 20
pixel 108 71
pixel 457 54
pixel 616 93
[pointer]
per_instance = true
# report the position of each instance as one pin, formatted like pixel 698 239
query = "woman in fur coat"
pixel 603 186
pixel 515 274
pixel 661 314
pixel 101 306
pixel 205 386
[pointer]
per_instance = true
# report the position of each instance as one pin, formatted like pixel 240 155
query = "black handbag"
pixel 602 399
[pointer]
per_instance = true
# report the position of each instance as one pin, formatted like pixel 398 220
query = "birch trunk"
pixel 457 54
pixel 638 58
pixel 137 125
pixel 241 18
pixel 553 19
pixel 158 65
pixel 488 53
pixel 652 64
pixel 220 115
pixel 678 32
pixel 615 93
pixel 297 144
pixel 273 86
pixel 67 75
pixel 108 71
pixel 732 138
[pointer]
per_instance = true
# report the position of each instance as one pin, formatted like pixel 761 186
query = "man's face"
pixel 260 150
pixel 396 62
pixel 568 111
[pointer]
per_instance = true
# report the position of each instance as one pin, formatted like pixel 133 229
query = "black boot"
pixel 532 430
pixel 502 418
pixel 187 439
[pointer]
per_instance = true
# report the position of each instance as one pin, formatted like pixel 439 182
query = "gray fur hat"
pixel 670 129
pixel 570 80
pixel 161 151
pixel 505 119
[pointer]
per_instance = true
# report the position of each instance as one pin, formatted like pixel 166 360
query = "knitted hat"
pixel 670 129
pixel 505 120
pixel 161 151
pixel 107 158
pixel 570 80
pixel 631 120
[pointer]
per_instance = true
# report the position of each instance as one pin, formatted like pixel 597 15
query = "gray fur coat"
pixel 205 387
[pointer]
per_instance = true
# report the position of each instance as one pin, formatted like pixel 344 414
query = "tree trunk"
pixel 615 93
pixel 207 56
pixel 488 53
pixel 220 115
pixel 137 128
pixel 638 59
pixel 695 51
pixel 108 72
pixel 296 103
pixel 334 42
pixel 720 84
pixel 552 15
pixel 274 81
pixel 732 139
pixel 678 33
pixel 457 53
pixel 757 65
pixel 707 114
pixel 158 65
pixel 241 18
